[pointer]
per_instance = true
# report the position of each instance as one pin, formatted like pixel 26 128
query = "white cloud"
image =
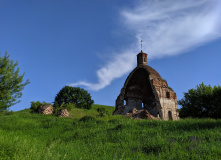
pixel 167 28
pixel 119 65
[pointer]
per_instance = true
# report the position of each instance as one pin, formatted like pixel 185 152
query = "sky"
pixel 93 44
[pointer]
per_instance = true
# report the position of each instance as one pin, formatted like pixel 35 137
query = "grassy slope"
pixel 33 136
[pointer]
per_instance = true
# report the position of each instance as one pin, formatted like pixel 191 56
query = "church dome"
pixel 153 73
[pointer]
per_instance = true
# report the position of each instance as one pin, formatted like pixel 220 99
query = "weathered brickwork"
pixel 46 109
pixel 144 89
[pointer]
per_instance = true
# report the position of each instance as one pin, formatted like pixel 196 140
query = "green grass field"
pixel 29 136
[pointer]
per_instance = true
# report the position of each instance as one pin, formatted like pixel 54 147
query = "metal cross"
pixel 141 44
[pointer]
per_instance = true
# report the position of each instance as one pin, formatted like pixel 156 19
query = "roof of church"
pixel 153 72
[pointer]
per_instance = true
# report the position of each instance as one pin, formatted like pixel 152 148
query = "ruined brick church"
pixel 145 90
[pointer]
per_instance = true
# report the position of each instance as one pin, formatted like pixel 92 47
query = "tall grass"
pixel 87 136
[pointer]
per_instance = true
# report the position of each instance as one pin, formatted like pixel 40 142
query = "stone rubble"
pixel 63 113
pixel 46 109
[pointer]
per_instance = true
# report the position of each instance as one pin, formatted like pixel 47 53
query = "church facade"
pixel 144 89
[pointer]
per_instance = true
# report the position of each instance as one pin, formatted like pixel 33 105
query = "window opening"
pixel 125 103
pixel 142 105
pixel 145 60
pixel 168 95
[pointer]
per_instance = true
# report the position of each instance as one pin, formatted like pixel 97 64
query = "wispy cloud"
pixel 119 64
pixel 167 28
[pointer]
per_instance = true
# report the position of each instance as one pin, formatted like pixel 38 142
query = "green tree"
pixel 217 101
pixel 204 101
pixel 76 95
pixel 11 82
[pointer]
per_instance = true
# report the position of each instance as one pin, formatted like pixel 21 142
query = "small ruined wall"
pixel 168 100
pixel 169 109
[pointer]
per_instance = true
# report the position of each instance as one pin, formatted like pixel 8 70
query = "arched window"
pixel 142 105
pixel 125 102
pixel 145 59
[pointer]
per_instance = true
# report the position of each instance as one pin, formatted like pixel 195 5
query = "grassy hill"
pixel 87 136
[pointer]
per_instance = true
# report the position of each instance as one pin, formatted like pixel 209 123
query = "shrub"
pixel 74 95
pixel 202 102
pixel 6 112
pixel 35 105
pixel 67 106
pixel 101 111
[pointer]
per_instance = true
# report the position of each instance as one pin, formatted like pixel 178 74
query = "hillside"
pixel 87 136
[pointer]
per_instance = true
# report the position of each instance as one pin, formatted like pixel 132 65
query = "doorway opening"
pixel 170 115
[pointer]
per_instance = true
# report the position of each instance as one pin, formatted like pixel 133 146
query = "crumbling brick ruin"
pixel 46 109
pixel 144 89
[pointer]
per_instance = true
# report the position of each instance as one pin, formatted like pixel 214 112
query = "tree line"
pixel 11 86
pixel 202 102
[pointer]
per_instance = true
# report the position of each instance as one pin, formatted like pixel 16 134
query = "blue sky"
pixel 93 44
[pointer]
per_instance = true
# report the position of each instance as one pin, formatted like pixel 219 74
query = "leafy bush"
pixel 67 106
pixel 74 95
pixel 204 101
pixel 6 112
pixel 35 105
pixel 101 111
